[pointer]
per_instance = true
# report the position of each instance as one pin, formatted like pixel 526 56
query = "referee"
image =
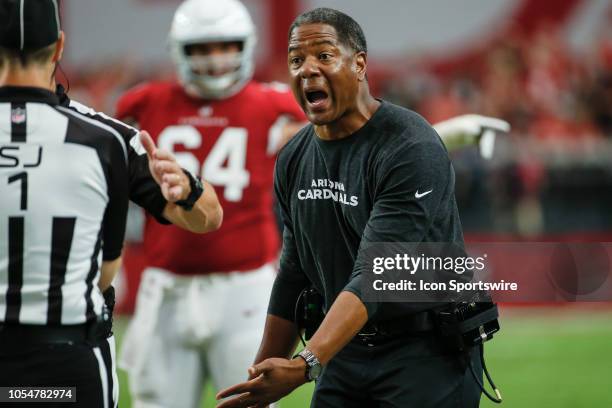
pixel 64 183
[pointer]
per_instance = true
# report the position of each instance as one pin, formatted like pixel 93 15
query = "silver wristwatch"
pixel 313 366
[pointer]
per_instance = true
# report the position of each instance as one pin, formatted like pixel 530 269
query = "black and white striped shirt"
pixel 64 191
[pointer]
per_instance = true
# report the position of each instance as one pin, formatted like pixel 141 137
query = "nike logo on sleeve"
pixel 419 195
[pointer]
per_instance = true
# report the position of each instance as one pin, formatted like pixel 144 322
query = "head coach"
pixel 397 184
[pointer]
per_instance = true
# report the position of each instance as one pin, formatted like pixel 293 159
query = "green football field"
pixel 558 358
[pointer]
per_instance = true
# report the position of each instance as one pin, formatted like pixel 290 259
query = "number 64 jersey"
pixel 232 144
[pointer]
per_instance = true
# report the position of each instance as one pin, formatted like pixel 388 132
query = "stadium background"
pixel 543 65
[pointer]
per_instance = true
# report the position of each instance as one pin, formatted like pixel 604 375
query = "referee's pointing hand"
pixel 165 170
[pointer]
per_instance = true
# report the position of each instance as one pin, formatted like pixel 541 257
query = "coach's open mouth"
pixel 317 98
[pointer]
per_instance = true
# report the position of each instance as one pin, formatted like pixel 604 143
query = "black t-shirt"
pixel 391 181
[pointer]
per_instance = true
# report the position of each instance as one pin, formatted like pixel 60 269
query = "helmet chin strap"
pixel 214 88
pixel 217 84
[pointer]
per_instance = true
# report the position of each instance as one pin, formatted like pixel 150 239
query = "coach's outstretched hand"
pixel 165 170
pixel 272 379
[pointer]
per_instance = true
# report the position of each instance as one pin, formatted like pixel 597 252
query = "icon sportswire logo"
pixel 419 195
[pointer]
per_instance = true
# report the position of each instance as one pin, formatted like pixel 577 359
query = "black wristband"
pixel 197 189
pixel 109 298
pixel 105 326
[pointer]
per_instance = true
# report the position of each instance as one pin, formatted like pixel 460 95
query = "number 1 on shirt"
pixel 23 177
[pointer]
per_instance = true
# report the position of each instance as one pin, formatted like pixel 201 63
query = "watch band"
pixel 197 189
pixel 313 366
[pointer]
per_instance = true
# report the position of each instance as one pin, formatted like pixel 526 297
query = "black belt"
pixel 18 336
pixel 385 330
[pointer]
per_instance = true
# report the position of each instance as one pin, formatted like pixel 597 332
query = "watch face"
pixel 315 371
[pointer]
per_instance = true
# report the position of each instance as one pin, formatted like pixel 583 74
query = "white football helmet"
pixel 206 21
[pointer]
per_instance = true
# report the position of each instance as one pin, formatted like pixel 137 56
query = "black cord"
pixel 496 399
pixel 295 316
pixel 59 67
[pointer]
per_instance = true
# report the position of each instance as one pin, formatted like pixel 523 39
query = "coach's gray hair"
pixel 348 30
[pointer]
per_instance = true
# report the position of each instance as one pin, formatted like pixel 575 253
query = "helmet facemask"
pixel 216 75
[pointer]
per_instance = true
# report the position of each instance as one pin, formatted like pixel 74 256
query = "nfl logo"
pixel 206 111
pixel 18 116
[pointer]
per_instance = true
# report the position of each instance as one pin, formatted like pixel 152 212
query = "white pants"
pixel 188 329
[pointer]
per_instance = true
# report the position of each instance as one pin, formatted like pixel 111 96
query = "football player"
pixel 202 301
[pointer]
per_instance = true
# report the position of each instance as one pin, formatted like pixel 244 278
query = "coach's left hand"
pixel 272 379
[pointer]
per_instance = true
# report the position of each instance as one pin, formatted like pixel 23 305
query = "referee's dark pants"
pixel 413 371
pixel 87 366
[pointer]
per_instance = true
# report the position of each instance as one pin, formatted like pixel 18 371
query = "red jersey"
pixel 232 144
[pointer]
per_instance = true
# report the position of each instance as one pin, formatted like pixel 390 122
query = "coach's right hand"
pixel 165 170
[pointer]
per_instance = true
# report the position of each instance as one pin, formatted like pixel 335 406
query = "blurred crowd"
pixel 553 173
pixel 536 83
